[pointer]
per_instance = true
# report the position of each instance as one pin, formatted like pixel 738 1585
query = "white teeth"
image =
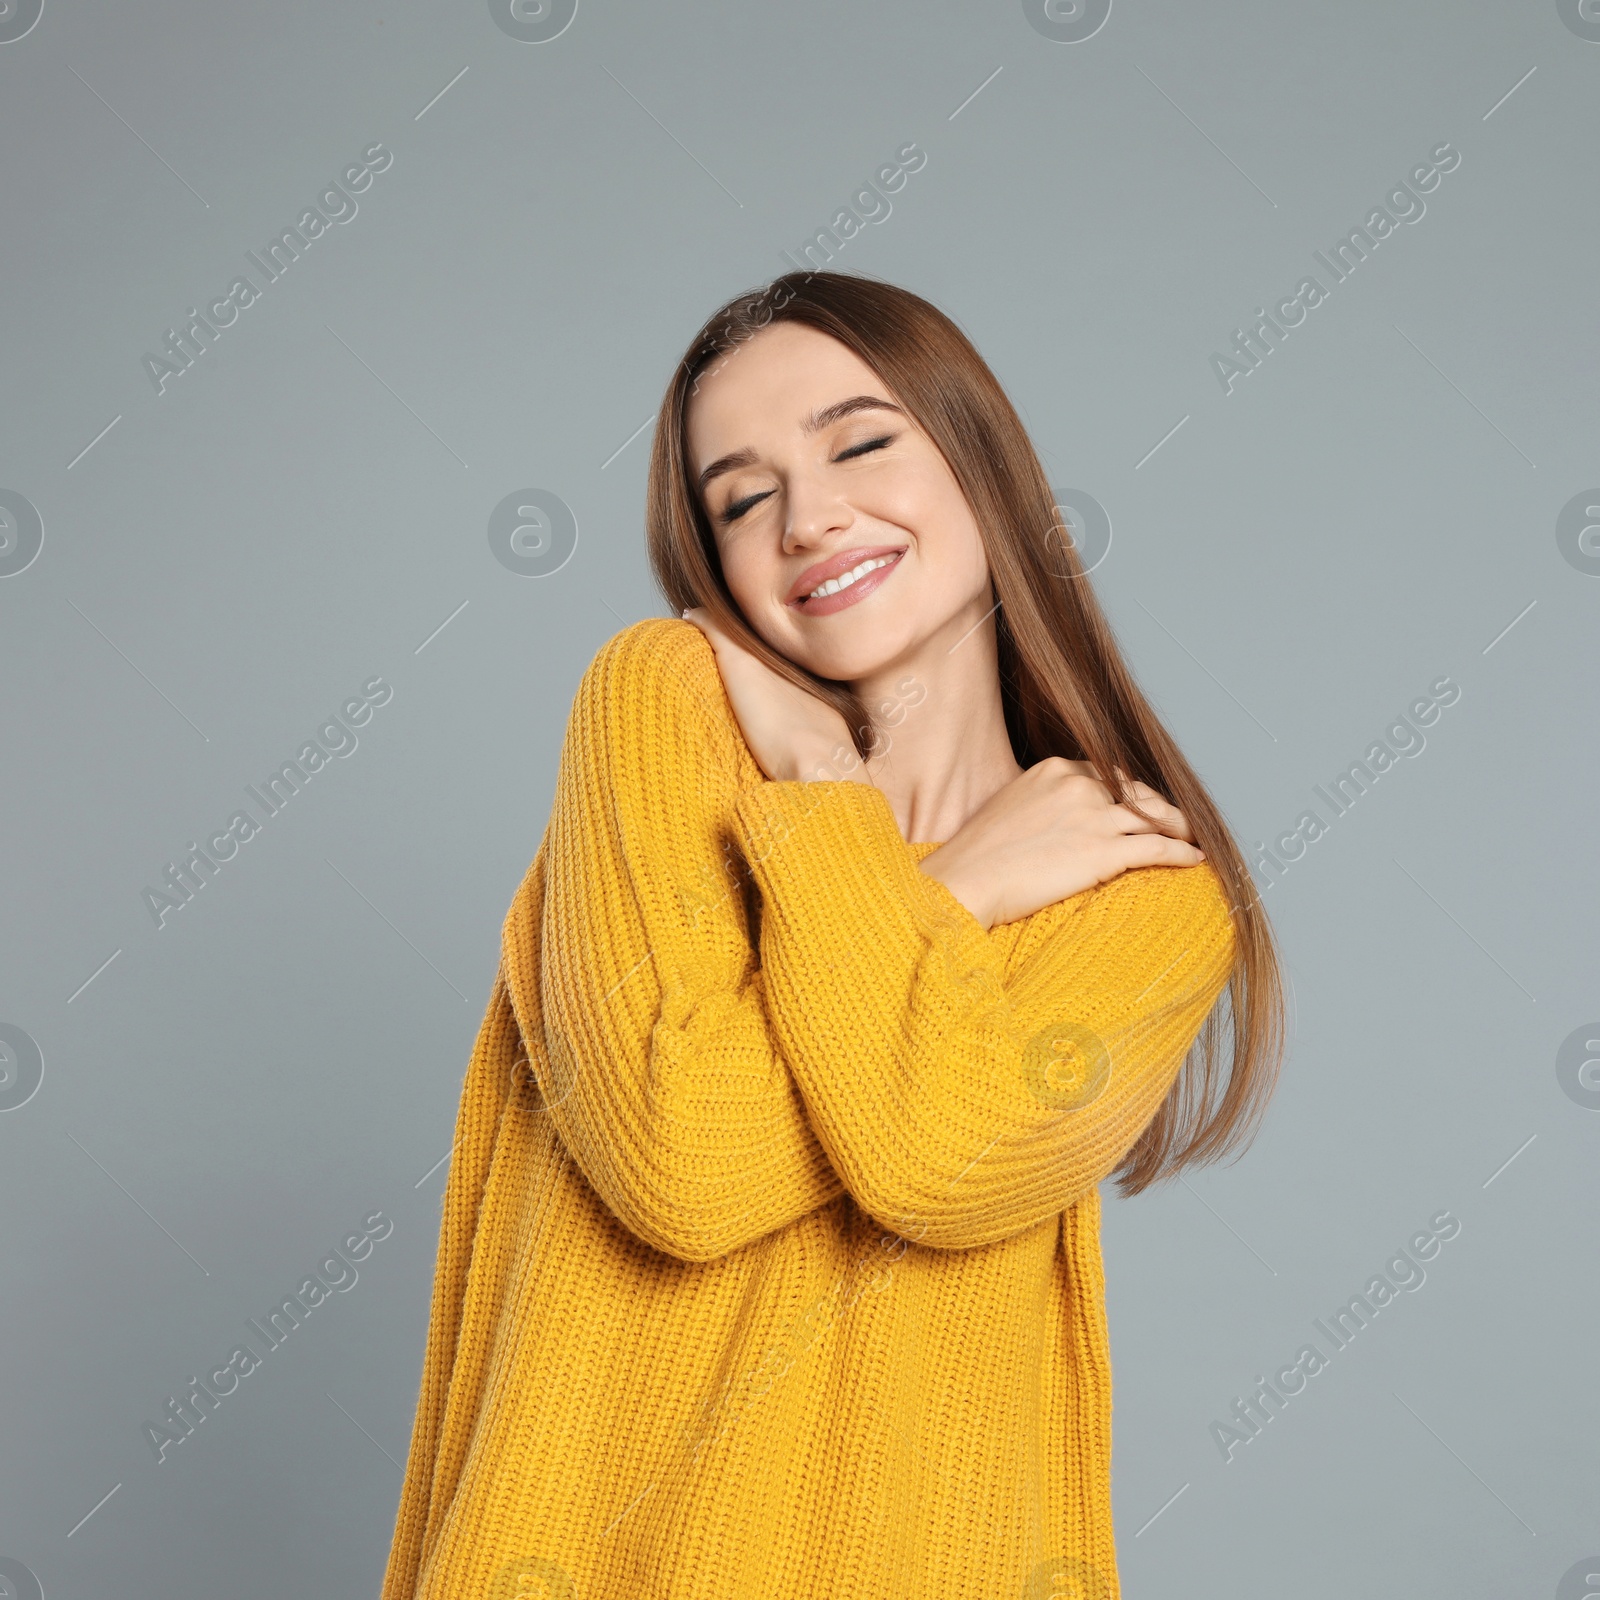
pixel 845 579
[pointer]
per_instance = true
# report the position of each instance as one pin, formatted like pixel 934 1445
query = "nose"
pixel 816 512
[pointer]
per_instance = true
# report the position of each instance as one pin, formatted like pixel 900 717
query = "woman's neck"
pixel 943 729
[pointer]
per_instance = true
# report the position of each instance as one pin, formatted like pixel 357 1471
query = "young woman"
pixel 877 921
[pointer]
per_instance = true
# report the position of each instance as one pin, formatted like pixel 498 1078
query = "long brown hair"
pixel 1064 685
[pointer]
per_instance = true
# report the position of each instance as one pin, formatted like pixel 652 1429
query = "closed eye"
pixel 739 507
pixel 865 445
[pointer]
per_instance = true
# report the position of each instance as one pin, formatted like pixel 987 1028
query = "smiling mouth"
pixel 848 580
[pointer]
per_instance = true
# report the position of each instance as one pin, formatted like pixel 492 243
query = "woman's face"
pixel 808 469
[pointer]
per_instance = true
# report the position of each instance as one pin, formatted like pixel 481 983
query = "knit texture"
pixel 770 1257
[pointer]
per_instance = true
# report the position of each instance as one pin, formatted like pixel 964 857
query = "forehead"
pixel 768 385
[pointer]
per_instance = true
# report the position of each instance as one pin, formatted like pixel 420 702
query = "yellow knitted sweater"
pixel 770 1258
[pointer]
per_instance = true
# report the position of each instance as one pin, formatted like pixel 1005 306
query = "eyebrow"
pixel 822 418
pixel 828 415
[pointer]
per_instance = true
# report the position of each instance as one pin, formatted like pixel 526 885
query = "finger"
pixel 1142 797
pixel 727 649
pixel 1140 791
pixel 1132 786
pixel 1150 799
pixel 1163 819
pixel 1157 850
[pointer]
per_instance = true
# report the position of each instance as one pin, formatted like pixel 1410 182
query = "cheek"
pixel 748 568
pixel 923 498
pixel 932 507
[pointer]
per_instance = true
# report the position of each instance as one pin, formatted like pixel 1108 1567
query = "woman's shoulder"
pixel 656 644
pixel 653 664
pixel 1187 908
pixel 658 680
pixel 1192 893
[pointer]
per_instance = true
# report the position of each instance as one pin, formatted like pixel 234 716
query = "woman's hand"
pixel 1051 833
pixel 792 734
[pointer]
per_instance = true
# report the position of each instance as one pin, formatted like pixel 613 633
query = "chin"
pixel 862 648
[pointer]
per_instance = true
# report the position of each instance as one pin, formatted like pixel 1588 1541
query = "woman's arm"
pixel 959 1102
pixel 939 1084
pixel 645 1003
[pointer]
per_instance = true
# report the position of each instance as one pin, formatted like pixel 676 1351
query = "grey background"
pixel 307 508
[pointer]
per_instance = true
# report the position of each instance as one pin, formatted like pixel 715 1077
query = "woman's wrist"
pixel 825 763
pixel 969 891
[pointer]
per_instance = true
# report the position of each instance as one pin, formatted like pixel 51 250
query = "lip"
pixel 836 566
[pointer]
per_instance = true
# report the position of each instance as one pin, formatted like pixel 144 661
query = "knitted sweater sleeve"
pixel 658 1066
pixel 963 1096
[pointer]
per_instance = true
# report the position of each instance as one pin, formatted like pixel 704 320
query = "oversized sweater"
pixel 770 1258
